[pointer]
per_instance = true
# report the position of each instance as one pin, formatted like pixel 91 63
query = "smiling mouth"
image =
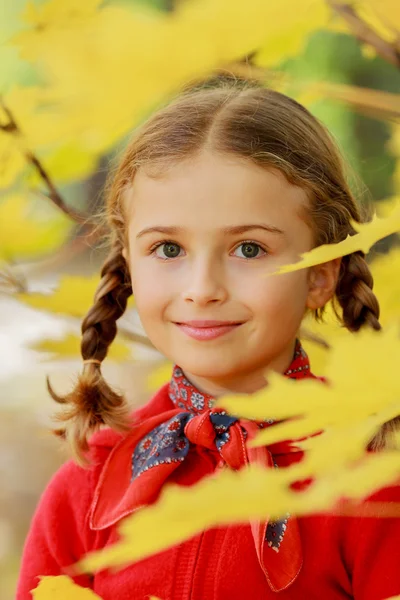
pixel 209 324
pixel 207 332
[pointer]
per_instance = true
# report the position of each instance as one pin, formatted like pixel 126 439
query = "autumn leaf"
pixel 73 296
pixel 386 273
pixel 367 235
pixel 290 30
pixel 233 497
pixel 55 13
pixel 368 381
pixel 80 47
pixel 62 588
pixel 69 347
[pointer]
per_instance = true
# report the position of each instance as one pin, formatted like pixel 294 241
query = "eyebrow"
pixel 236 229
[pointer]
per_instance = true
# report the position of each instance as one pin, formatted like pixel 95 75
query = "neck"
pixel 242 382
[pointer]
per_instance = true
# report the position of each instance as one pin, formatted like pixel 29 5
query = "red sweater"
pixel 343 557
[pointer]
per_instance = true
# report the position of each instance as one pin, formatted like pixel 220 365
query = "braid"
pixel 92 402
pixel 354 293
pixel 387 436
pixel 360 306
pixel 99 326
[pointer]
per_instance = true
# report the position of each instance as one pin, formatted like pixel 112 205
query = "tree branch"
pixel 12 128
pixel 10 282
pixel 364 33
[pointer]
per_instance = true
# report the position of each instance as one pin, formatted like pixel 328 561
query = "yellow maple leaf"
pixel 290 29
pixel 367 235
pixel 62 588
pixel 69 346
pixel 55 13
pixel 74 296
pixel 231 497
pixel 161 51
pixel 385 270
pixel 358 390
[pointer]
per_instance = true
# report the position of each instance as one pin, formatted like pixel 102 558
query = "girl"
pixel 217 188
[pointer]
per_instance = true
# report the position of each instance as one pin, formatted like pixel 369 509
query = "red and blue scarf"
pixel 157 447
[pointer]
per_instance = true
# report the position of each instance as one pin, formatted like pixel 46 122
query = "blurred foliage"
pixel 69 347
pixel 30 229
pixel 74 296
pixel 77 77
pixel 338 58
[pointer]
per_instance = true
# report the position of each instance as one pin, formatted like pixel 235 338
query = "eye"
pixel 251 249
pixel 169 249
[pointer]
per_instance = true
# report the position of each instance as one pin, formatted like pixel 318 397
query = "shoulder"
pixel 68 493
pixel 74 484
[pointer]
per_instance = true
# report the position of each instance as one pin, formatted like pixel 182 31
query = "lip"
pixel 207 333
pixel 209 323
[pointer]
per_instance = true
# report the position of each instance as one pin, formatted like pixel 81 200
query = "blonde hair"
pixel 244 120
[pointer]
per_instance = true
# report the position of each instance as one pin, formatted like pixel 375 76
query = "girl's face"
pixel 218 226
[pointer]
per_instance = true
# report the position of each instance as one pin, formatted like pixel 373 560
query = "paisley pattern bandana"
pixel 195 424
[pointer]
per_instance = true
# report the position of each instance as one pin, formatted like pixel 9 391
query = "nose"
pixel 206 283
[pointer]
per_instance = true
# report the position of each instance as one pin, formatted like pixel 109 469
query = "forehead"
pixel 214 191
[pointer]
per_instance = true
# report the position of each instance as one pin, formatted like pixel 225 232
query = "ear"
pixel 125 254
pixel 322 281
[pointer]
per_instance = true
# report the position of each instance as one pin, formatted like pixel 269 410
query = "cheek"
pixel 280 294
pixel 149 304
pixel 149 295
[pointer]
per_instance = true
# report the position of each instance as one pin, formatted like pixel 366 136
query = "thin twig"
pixel 54 195
pixel 13 128
pixel 10 280
pixel 364 33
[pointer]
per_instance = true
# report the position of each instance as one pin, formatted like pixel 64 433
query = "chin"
pixel 209 367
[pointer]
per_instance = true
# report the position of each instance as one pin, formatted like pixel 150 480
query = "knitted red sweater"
pixel 343 557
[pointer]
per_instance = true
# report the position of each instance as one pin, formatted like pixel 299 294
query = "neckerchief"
pixel 161 445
